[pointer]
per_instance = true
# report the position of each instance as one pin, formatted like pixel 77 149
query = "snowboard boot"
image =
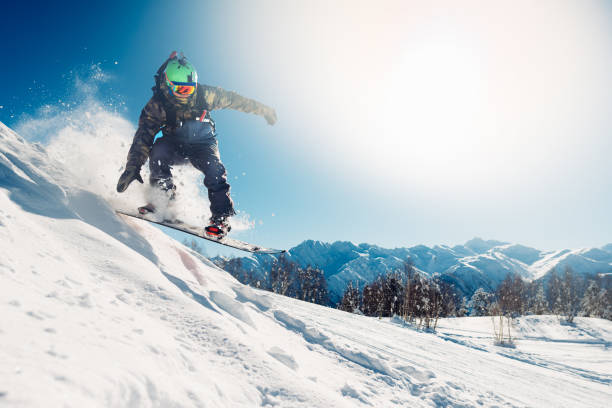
pixel 146 209
pixel 170 193
pixel 218 227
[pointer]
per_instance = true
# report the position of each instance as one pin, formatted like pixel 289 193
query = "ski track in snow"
pixel 100 310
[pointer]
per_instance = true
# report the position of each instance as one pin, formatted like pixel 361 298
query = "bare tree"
pixel 511 296
pixel 413 294
pixel 554 292
pixel 193 244
pixel 510 303
pixel 498 319
pixel 283 274
pixel 235 267
pixel 570 300
pixel 435 304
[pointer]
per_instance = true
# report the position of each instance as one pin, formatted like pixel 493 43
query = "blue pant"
pixel 194 142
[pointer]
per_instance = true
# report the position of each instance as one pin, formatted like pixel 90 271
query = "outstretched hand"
pixel 270 116
pixel 130 174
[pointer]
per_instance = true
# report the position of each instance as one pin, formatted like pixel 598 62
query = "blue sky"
pixel 399 124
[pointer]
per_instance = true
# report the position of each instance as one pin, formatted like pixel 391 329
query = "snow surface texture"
pixel 477 264
pixel 103 311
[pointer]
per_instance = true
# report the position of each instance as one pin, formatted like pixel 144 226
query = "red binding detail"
pixel 203 115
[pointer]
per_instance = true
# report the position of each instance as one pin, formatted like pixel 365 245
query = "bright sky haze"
pixel 400 122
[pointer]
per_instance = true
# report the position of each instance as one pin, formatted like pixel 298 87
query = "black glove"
pixel 130 174
pixel 270 116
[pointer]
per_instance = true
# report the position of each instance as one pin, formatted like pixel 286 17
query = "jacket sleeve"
pixel 151 120
pixel 219 98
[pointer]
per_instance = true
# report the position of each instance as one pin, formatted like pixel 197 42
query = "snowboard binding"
pixel 218 227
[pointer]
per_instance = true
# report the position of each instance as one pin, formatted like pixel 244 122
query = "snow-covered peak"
pixel 607 248
pixel 597 254
pixel 522 253
pixel 480 246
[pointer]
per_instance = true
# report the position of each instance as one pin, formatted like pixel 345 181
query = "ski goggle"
pixel 182 89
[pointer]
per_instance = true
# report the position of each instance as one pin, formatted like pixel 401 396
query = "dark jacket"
pixel 160 114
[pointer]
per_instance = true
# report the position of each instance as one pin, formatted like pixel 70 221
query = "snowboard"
pixel 199 232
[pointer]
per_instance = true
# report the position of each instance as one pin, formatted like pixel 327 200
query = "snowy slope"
pixel 101 311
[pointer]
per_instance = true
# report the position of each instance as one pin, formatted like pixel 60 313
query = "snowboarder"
pixel 180 108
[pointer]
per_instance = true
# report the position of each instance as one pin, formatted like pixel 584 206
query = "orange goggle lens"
pixel 182 88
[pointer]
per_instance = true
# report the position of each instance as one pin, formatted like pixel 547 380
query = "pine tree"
pixel 372 298
pixel 450 299
pixel 607 304
pixel 462 310
pixel 421 300
pixel 392 294
pixel 593 301
pixel 539 305
pixel 605 283
pixel 480 303
pixel 234 267
pixel 350 301
pixel 312 286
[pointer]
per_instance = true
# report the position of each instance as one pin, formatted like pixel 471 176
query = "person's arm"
pixel 151 119
pixel 219 98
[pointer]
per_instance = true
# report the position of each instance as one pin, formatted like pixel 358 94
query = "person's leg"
pixel 205 157
pixel 163 156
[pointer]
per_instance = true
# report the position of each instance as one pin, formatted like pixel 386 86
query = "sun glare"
pixel 456 98
pixel 434 100
pixel 429 125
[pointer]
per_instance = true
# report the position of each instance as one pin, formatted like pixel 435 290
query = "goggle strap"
pixel 182 83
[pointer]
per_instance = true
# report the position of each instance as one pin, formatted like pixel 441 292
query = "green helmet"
pixel 181 70
pixel 181 77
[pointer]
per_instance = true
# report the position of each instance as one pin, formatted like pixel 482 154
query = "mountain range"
pixel 476 264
